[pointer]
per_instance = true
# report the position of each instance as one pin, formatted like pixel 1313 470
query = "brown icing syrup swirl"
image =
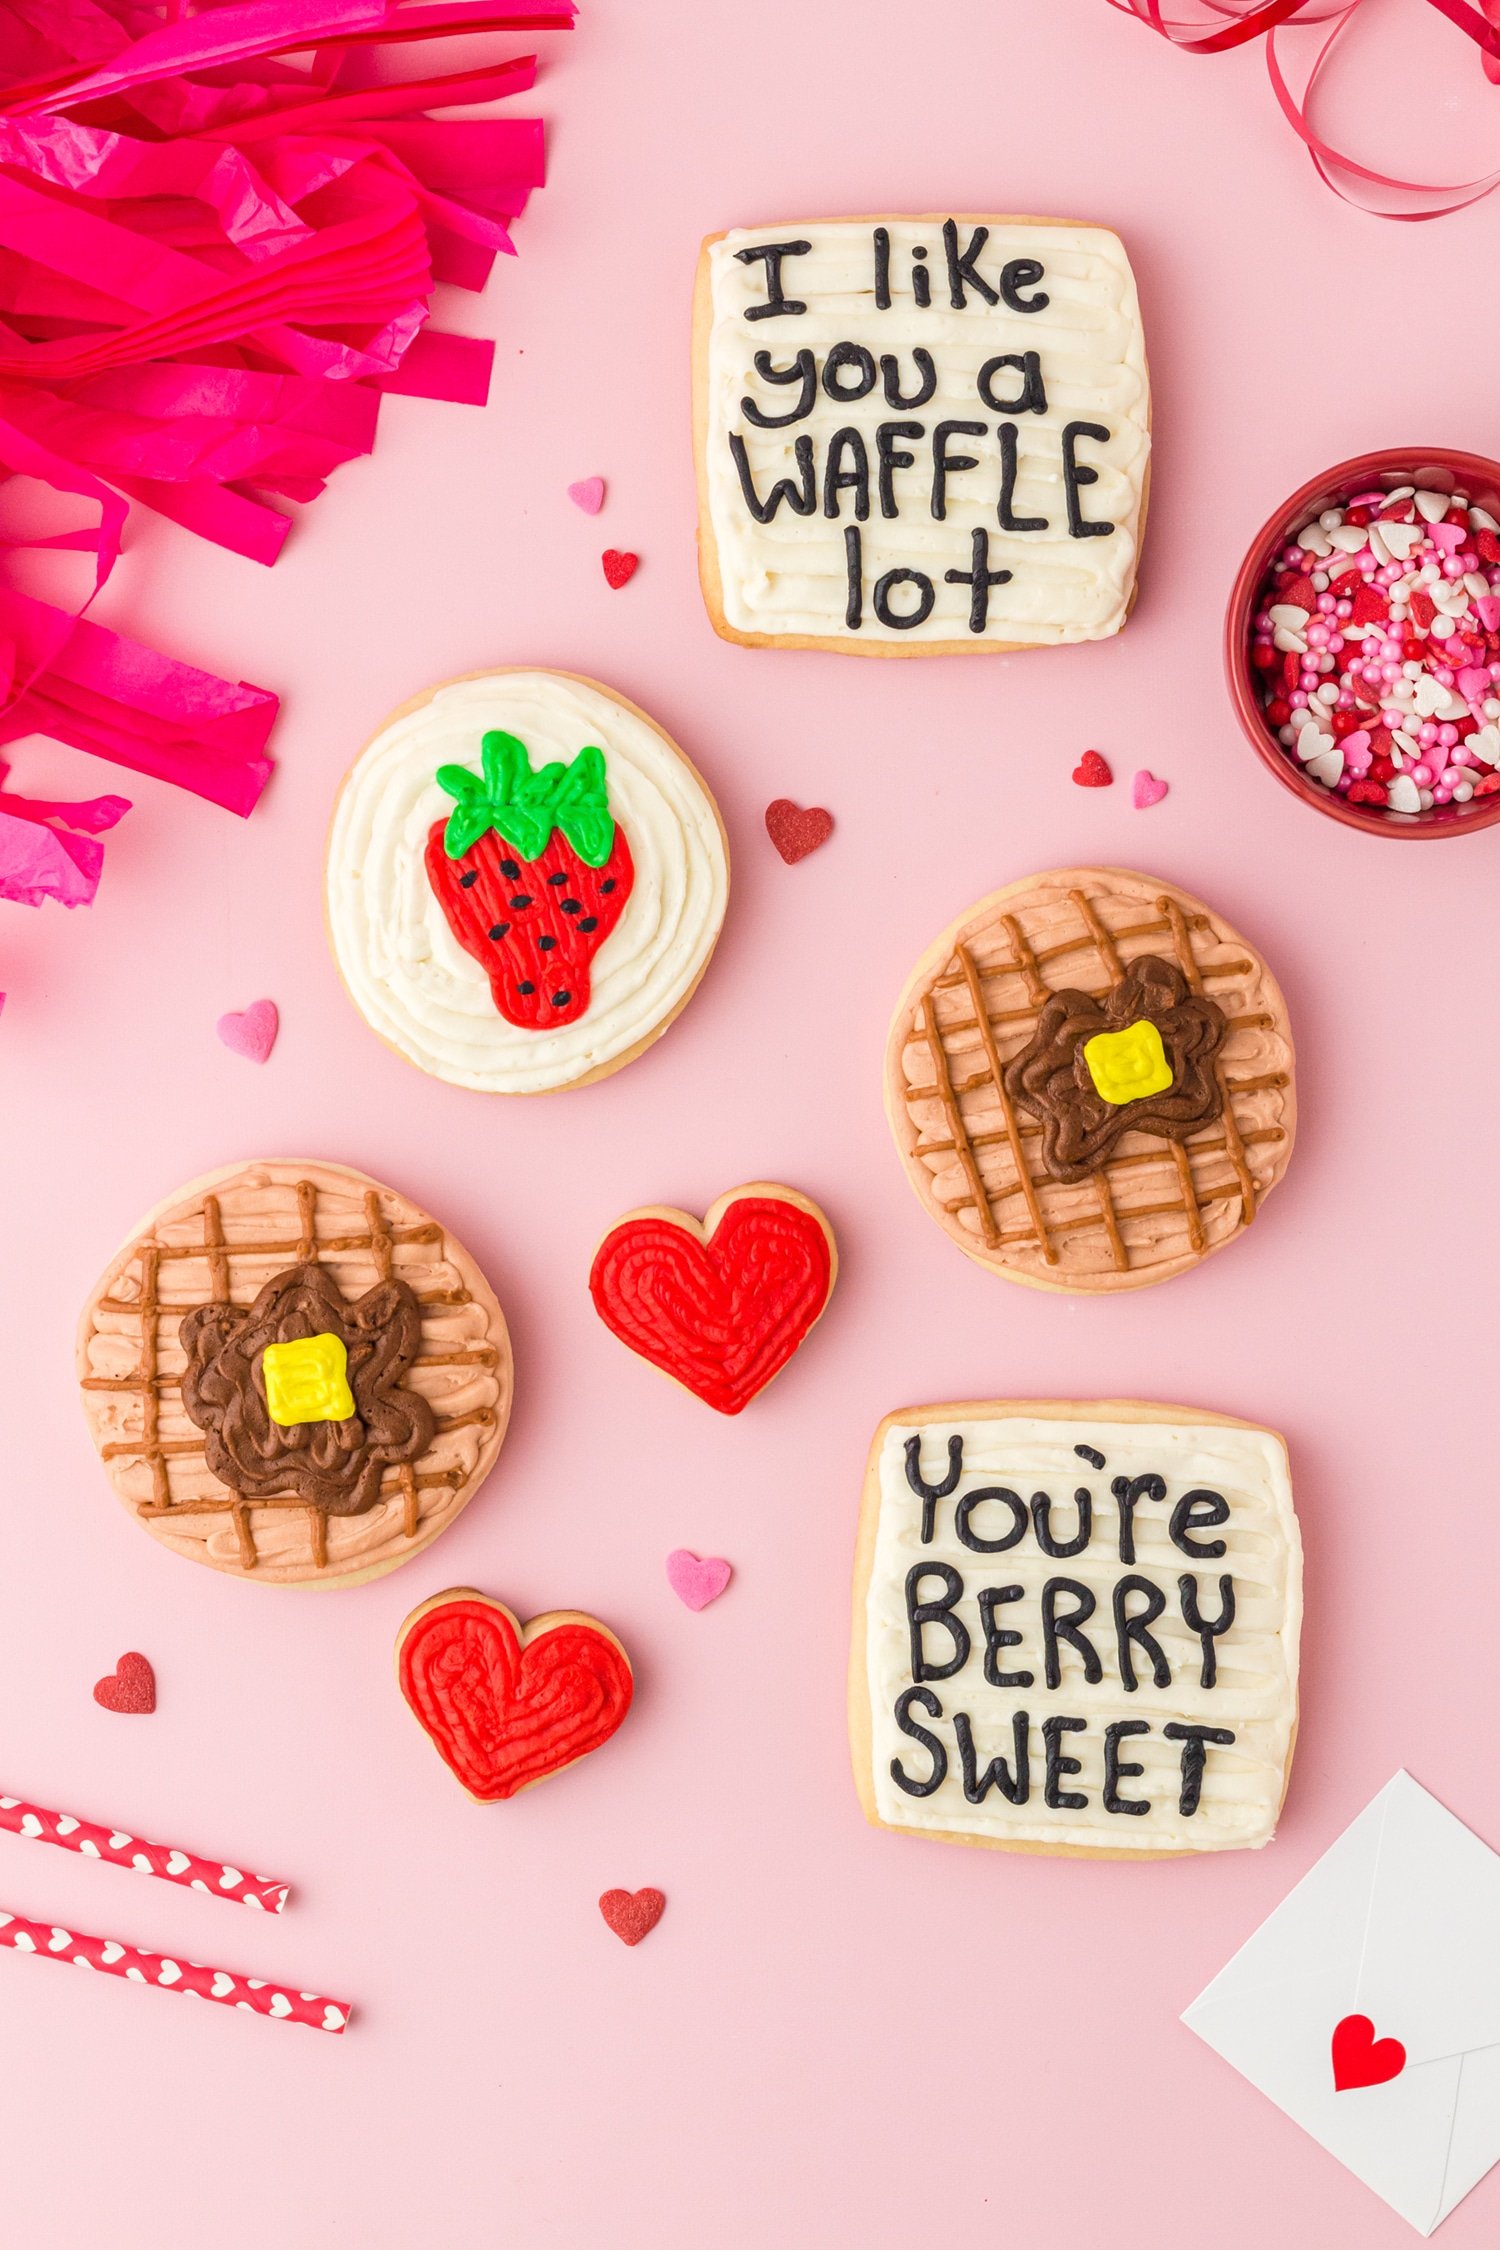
pixel 335 1466
pixel 1050 1078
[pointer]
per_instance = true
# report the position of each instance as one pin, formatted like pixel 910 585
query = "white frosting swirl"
pixel 407 973
pixel 1255 1695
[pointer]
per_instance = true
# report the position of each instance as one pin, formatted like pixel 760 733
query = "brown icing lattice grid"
pixel 1013 1197
pixel 377 1242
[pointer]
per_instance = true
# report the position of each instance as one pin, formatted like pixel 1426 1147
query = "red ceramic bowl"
pixel 1469 473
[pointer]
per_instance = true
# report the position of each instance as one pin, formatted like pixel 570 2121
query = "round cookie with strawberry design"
pixel 525 881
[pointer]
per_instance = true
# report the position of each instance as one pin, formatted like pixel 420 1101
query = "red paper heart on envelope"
pixel 1360 2059
pixel 721 1306
pixel 507 1704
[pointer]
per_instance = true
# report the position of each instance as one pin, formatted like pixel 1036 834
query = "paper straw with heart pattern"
pixel 165 1860
pixel 50 1942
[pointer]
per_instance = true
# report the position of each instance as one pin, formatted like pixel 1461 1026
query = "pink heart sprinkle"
pixel 1474 682
pixel 1357 752
pixel 1146 789
pixel 250 1032
pixel 1488 607
pixel 697 1580
pixel 588 494
pixel 1449 536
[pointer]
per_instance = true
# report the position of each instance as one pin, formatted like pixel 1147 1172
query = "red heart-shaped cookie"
pixel 796 830
pixel 131 1686
pixel 719 1306
pixel 1360 2059
pixel 632 1915
pixel 507 1704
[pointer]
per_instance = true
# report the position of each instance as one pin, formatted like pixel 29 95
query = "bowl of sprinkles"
pixel 1363 643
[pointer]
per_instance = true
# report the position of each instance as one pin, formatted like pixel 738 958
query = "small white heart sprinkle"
pixel 1404 796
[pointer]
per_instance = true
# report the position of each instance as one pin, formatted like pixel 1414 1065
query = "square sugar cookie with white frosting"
pixel 919 436
pixel 1076 1628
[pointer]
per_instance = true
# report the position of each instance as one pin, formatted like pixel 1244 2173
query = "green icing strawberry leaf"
pixel 524 807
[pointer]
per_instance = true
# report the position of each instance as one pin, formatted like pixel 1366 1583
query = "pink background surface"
pixel 835 2035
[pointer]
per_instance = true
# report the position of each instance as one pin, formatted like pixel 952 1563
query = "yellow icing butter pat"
pixel 1126 1065
pixel 307 1380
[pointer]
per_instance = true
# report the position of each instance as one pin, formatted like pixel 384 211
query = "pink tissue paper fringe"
pixel 218 243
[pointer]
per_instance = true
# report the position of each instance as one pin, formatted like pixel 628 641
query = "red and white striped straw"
pixel 168 1861
pixel 52 1943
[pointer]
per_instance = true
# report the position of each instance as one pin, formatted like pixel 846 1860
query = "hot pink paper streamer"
pixel 1240 22
pixel 38 862
pixel 215 256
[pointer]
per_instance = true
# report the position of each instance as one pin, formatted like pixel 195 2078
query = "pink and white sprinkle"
pixel 1376 636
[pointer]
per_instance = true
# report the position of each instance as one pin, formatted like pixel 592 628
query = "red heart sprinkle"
pixel 1360 2059
pixel 618 568
pixel 1299 593
pixel 1368 607
pixel 632 1915
pixel 131 1686
pixel 795 830
pixel 1092 771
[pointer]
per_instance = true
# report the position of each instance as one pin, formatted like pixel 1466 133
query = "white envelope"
pixel 1399 1923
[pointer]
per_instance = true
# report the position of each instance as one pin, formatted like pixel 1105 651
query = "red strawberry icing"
pixel 532 872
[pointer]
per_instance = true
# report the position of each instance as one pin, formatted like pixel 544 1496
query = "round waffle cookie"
pixel 294 1375
pixel 1090 1080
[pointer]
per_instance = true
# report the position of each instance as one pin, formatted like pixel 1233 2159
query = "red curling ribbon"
pixel 1358 183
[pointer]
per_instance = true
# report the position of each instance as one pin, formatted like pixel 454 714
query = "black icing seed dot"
pixel 561 999
pixel 607 885
pixel 526 990
pixel 468 881
pixel 520 902
pixel 570 906
pixel 509 870
pixel 500 930
pixel 545 944
pixel 589 922
pixel 560 877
